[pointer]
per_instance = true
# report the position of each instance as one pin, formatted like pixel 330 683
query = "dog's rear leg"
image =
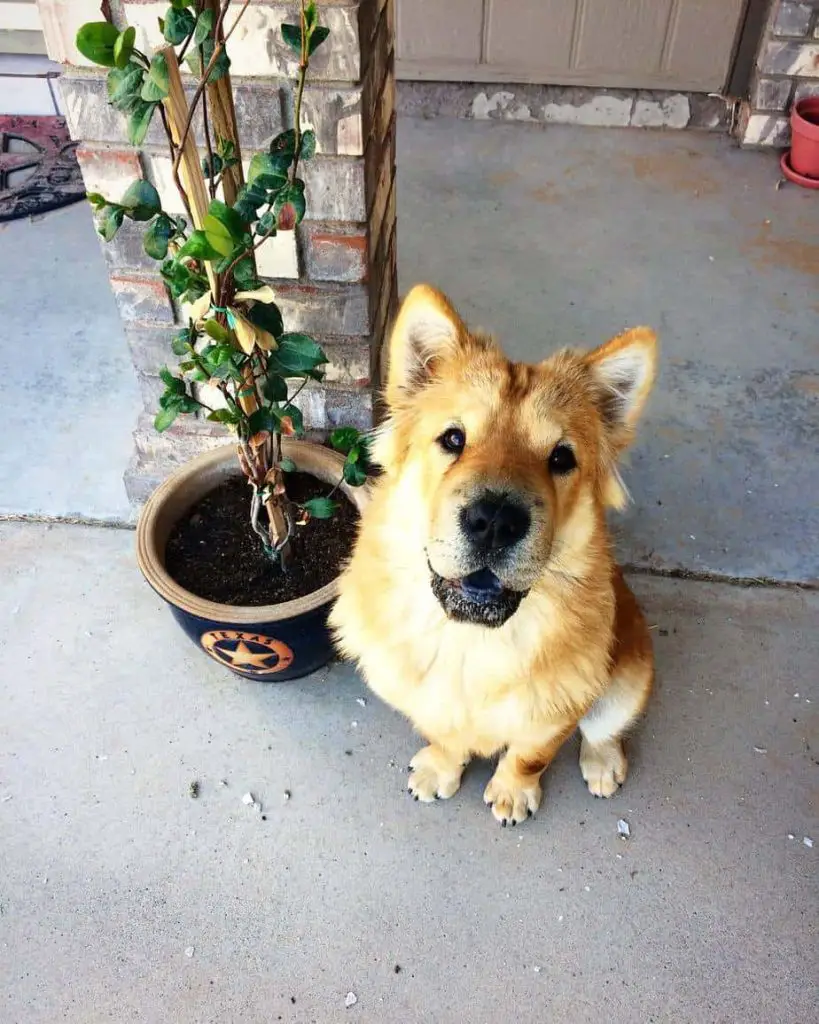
pixel 603 762
pixel 435 773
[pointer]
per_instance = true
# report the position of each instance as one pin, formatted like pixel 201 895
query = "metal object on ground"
pixel 38 166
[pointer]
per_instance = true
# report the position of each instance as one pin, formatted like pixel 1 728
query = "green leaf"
pixel 212 166
pixel 198 247
pixel 179 24
pixel 221 65
pixel 175 385
pixel 266 227
pixel 292 36
pixel 165 417
pixel 275 388
pixel 317 37
pixel 204 26
pixel 226 148
pixel 287 465
pixel 284 144
pixel 157 236
pixel 311 15
pixel 244 275
pixel 261 419
pixel 267 316
pixel 177 277
pixel 320 508
pixel 109 221
pixel 297 354
pixel 95 40
pixel 264 170
pixel 218 236
pixel 124 47
pixel 157 85
pixel 124 86
pixel 141 200
pixel 216 331
pixel 224 416
pixel 96 200
pixel 308 144
pixel 248 201
pixel 352 472
pixel 344 438
pixel 180 343
pixel 229 218
pixel 139 121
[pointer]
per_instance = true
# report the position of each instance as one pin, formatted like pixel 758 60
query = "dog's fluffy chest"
pixel 472 689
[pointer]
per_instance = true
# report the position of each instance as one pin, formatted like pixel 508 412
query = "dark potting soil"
pixel 213 552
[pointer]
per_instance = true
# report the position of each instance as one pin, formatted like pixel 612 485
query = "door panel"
pixel 659 44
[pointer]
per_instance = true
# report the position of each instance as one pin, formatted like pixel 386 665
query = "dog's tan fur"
pixel 577 651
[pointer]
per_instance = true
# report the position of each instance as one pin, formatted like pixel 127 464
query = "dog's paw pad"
pixel 433 776
pixel 512 802
pixel 603 768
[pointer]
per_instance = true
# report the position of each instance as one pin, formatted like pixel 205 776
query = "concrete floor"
pixel 111 871
pixel 112 874
pixel 68 390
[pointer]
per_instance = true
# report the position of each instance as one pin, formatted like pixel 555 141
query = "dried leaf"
pixel 263 294
pixel 259 439
pixel 249 335
pixel 196 310
pixel 286 426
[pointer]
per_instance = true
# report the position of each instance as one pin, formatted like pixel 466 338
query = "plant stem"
pixel 219 45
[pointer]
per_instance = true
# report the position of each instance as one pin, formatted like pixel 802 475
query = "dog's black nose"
pixel 494 522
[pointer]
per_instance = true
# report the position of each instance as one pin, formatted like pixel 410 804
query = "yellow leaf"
pixel 196 310
pixel 246 332
pixel 263 294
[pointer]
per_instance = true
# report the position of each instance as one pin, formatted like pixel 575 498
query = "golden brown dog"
pixel 482 599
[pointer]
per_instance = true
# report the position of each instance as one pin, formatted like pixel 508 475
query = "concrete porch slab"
pixel 122 898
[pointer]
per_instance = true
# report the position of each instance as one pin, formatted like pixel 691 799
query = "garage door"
pixel 644 44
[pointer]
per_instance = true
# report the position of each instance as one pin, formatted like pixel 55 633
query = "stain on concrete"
pixel 676 169
pixel 793 253
pixel 502 177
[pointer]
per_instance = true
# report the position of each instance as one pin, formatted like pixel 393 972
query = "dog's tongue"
pixel 481 586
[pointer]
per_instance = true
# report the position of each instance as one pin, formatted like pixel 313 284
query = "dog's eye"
pixel 453 440
pixel 562 460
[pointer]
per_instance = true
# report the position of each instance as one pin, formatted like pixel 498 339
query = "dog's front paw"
pixel 434 775
pixel 512 800
pixel 603 767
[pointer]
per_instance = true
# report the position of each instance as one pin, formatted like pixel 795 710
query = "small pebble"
pixel 354 724
pixel 361 701
pixel 586 888
pixel 396 969
pixel 536 970
pixel 351 999
pixel 286 795
pixel 189 951
pixel 223 782
pixel 808 842
pixel 193 789
pixel 791 835
pixel 623 829
pixel 760 750
pixel 248 800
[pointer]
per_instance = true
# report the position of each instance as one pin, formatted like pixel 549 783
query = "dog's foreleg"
pixel 514 791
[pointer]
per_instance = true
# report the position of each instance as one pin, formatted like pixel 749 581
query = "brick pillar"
pixel 787 69
pixel 334 276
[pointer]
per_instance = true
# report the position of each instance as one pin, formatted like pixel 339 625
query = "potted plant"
pixel 244 541
pixel 801 162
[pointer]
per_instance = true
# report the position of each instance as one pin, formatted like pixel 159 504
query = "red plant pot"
pixel 804 158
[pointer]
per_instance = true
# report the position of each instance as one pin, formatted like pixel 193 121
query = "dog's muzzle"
pixel 479 598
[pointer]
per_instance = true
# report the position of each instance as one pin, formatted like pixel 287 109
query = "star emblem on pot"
pixel 252 654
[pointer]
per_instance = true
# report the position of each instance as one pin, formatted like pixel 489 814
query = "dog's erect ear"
pixel 624 368
pixel 427 330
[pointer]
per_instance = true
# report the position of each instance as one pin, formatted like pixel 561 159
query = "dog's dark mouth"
pixel 480 598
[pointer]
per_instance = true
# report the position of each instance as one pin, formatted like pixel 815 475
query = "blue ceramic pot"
pixel 266 643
